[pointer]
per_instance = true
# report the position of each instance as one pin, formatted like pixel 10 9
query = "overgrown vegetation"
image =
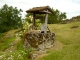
pixel 11 47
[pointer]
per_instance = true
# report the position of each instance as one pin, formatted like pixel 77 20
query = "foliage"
pixel 57 17
pixel 10 18
pixel 1 35
pixel 29 19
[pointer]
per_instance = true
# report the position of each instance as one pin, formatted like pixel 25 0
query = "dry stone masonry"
pixel 39 40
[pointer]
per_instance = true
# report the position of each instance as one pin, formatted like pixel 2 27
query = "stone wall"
pixel 39 40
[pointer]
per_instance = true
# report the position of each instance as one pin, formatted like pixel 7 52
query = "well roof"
pixel 40 10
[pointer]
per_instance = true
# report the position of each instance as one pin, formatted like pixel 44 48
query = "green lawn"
pixel 70 38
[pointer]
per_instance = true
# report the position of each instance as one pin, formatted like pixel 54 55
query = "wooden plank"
pixel 33 21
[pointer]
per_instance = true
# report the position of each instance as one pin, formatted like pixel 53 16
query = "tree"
pixel 10 18
pixel 57 17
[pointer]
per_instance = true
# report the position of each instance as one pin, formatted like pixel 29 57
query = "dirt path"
pixel 57 47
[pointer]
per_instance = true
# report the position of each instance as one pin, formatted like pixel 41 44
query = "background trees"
pixel 57 17
pixel 10 18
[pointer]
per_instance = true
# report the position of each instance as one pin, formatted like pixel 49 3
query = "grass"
pixel 1 35
pixel 70 38
pixel 6 44
pixel 12 52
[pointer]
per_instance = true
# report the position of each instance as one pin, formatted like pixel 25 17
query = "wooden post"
pixel 33 20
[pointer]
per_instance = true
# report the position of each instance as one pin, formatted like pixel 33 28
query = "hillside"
pixel 11 47
pixel 66 46
pixel 70 39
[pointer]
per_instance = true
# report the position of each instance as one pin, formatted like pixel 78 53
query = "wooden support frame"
pixel 33 19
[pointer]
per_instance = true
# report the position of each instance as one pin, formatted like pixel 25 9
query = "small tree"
pixel 57 17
